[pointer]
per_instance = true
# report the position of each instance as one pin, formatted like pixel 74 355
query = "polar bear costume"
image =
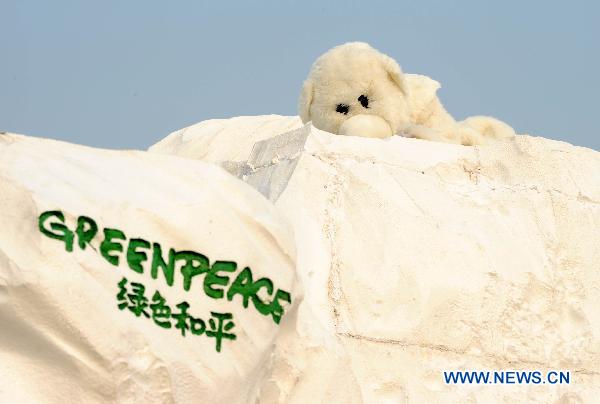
pixel 353 89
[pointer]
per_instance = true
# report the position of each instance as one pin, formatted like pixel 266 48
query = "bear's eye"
pixel 342 109
pixel 364 101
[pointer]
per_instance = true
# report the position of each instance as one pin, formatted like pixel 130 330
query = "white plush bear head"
pixel 354 89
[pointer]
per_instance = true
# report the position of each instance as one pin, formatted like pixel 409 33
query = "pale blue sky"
pixel 124 73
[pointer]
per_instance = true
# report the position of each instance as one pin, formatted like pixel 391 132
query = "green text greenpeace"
pixel 220 325
pixel 221 280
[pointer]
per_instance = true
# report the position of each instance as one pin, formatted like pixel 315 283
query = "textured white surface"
pixel 62 337
pixel 419 257
pixel 226 141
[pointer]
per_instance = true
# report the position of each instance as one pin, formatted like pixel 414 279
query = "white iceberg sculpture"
pixel 418 258
pixel 132 277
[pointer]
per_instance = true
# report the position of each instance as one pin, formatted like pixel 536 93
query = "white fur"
pixel 404 104
pixel 368 125
pixel 345 73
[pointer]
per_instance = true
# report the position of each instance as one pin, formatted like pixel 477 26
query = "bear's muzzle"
pixel 366 126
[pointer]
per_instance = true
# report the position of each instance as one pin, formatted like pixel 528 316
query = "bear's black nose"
pixel 364 101
pixel 342 109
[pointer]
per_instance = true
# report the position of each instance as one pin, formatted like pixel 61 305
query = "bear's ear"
pixel 305 100
pixel 395 73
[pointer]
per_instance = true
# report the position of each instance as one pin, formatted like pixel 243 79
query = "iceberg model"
pixel 420 260
pixel 258 259
pixel 133 277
